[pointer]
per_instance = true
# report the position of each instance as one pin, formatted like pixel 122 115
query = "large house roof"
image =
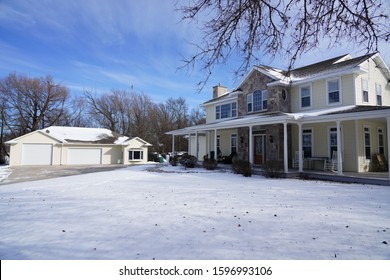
pixel 331 65
pixel 316 70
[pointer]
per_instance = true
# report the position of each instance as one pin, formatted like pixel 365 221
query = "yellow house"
pixel 332 115
pixel 57 145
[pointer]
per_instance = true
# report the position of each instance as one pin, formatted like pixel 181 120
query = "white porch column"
pixel 196 144
pixel 189 143
pixel 173 145
pixel 339 154
pixel 285 151
pixel 251 145
pixel 300 147
pixel 215 144
pixel 388 145
pixel 208 143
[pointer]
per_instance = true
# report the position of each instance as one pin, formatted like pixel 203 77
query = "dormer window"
pixel 225 111
pixel 257 101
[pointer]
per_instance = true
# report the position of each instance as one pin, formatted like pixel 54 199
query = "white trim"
pixel 222 100
pixel 383 135
pixel 342 140
pixel 311 96
pixel 368 91
pixel 220 113
pixel 231 137
pixel 312 138
pixel 364 143
pixel 357 145
pixel 340 92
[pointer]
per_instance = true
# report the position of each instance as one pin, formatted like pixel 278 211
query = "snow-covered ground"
pixel 133 214
pixel 4 172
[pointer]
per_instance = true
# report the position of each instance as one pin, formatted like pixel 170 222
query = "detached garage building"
pixel 58 145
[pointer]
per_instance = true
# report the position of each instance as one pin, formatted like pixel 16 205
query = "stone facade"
pixel 278 101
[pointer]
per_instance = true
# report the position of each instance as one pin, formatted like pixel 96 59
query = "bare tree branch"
pixel 288 28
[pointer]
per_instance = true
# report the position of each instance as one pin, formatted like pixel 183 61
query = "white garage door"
pixel 84 156
pixel 37 154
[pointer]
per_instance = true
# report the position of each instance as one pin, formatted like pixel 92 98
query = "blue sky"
pixel 101 45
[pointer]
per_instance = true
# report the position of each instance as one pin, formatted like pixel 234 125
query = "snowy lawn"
pixel 137 214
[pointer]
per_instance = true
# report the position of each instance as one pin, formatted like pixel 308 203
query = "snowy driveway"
pixel 135 214
pixel 32 173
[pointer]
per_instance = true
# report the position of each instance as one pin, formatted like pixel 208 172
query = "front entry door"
pixel 259 149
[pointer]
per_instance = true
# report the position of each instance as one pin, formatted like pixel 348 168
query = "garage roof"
pixel 85 135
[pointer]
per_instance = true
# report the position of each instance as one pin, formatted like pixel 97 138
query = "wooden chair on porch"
pixel 331 164
pixel 382 162
pixel 295 163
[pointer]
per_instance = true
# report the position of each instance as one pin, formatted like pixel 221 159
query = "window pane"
pixel 333 85
pixel 257 100
pixel 137 154
pixel 265 98
pixel 218 112
pixel 225 111
pixel 305 102
pixel 234 143
pixel 333 91
pixel 334 97
pixel 234 109
pixel 249 102
pixel 305 97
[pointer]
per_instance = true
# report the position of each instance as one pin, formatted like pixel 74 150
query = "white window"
pixel 378 92
pixel 367 143
pixel 365 90
pixel 249 102
pixel 334 92
pixel 226 111
pixel 307 141
pixel 381 146
pixel 332 140
pixel 305 92
pixel 136 155
pixel 233 143
pixel 257 101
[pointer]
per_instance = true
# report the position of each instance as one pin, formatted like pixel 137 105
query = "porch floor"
pixel 374 178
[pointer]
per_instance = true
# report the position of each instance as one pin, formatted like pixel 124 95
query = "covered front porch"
pixel 304 141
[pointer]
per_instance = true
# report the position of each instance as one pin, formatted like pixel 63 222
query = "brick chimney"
pixel 219 90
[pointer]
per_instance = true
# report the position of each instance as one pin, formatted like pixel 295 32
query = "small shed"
pixel 60 145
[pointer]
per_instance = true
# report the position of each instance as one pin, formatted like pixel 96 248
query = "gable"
pixel 266 73
pixel 137 142
pixel 255 80
pixel 35 137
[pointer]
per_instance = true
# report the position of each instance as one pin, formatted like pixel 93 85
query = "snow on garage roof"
pixel 85 135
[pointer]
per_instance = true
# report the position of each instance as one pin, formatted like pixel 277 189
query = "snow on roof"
pixel 316 113
pixel 83 134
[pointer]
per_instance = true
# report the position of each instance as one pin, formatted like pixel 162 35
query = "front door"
pixel 259 149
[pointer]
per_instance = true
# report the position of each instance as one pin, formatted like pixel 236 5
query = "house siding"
pixel 373 75
pixel 111 153
pixel 16 150
pixel 364 164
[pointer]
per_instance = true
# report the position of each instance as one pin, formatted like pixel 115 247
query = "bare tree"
pixel 103 109
pixel 197 116
pixel 140 112
pixel 253 28
pixel 31 103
